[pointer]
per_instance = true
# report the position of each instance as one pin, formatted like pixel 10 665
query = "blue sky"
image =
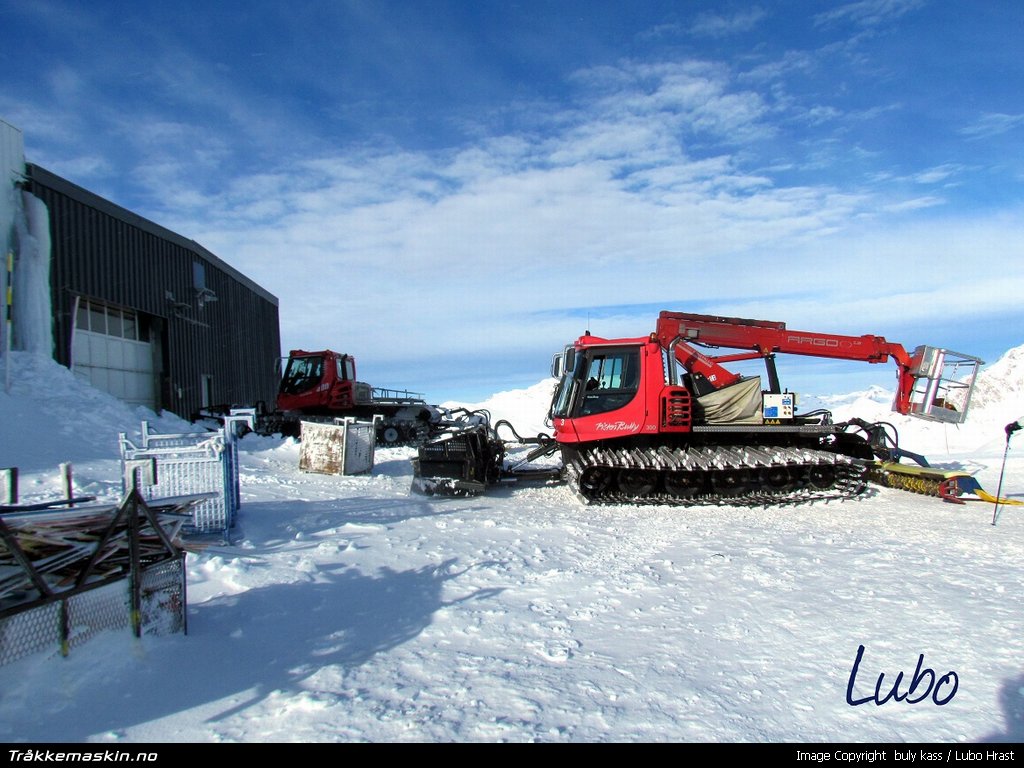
pixel 451 191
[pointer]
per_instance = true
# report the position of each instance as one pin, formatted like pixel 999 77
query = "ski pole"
pixel 1012 427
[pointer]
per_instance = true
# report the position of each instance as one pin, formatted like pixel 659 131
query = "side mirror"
pixel 563 362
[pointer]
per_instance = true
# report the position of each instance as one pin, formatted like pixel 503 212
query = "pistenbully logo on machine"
pixel 616 426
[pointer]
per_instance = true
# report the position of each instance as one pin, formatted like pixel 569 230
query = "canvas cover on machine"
pixel 739 403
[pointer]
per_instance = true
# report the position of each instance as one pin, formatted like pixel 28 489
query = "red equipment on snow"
pixel 656 419
pixel 322 386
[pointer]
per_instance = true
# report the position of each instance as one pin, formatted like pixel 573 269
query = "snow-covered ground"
pixel 349 609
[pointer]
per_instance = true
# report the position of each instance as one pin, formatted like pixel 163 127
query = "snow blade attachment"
pixel 462 463
pixel 948 485
pixel 470 457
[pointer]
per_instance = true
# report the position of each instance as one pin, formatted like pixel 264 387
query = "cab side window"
pixel 612 380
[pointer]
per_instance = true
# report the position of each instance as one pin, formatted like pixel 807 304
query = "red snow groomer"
pixel 657 419
pixel 321 386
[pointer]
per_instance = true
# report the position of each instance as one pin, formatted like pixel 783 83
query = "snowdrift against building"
pixel 50 416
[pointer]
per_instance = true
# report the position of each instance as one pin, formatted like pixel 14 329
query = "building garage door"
pixel 109 352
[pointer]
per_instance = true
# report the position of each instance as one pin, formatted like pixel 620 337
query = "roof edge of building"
pixel 50 179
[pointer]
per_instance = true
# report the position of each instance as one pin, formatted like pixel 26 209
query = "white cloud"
pixel 939 173
pixel 484 247
pixel 992 124
pixel 683 183
pixel 720 25
pixel 914 204
pixel 869 13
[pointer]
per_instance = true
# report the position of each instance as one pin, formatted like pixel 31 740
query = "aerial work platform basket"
pixel 943 383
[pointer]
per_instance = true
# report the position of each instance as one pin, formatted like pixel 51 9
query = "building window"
pixel 206 390
pixel 110 321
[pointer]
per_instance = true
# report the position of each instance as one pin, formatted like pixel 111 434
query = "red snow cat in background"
pixel 657 419
pixel 321 386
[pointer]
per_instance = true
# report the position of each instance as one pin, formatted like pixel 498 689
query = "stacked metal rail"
pixel 70 572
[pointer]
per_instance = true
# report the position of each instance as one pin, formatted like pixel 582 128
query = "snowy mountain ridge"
pixel 1002 383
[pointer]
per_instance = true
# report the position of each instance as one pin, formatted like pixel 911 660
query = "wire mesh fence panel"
pixel 188 464
pixel 164 598
pixel 200 471
pixel 29 632
pixel 98 610
pixel 88 613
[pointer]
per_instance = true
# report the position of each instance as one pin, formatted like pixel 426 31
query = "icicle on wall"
pixel 25 233
pixel 33 318
pixel 12 166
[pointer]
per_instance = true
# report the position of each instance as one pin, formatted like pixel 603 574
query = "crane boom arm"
pixel 679 331
pixel 766 337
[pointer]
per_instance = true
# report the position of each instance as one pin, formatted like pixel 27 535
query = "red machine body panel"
pixel 615 402
pixel 314 382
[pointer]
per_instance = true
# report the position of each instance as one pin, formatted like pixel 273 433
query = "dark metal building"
pixel 148 315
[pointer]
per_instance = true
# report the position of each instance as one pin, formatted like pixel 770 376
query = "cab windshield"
pixel 603 379
pixel 301 374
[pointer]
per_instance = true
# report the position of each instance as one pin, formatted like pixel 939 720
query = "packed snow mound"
pixel 526 409
pixel 48 408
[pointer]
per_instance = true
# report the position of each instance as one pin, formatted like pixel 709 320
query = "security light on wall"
pixel 177 306
pixel 205 296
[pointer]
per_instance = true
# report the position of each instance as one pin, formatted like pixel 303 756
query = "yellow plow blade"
pixel 984 496
pixel 948 485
